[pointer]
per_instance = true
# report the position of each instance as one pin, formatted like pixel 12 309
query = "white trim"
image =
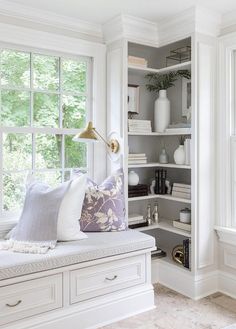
pixel 227 283
pixel 225 128
pixel 226 235
pixel 20 37
pixel 195 287
pixel 83 29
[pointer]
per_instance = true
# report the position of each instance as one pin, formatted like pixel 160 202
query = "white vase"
pixel 161 112
pixel 163 157
pixel 133 178
pixel 179 155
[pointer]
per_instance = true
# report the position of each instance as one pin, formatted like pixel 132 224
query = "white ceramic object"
pixel 163 157
pixel 179 155
pixel 185 216
pixel 133 178
pixel 161 112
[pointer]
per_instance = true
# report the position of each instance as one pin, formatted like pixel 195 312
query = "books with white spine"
pixel 141 126
pixel 182 195
pixel 137 61
pixel 137 158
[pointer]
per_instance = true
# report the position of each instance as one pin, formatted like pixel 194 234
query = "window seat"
pixel 98 245
pixel 89 283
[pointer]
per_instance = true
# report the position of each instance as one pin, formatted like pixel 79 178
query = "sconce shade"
pixel 88 134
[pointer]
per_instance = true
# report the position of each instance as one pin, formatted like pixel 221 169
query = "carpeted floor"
pixel 174 311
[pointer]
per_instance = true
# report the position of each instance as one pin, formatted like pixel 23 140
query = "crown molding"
pixel 194 19
pixel 84 29
pixel 228 24
pixel 131 28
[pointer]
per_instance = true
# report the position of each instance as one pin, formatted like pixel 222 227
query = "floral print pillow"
pixel 104 206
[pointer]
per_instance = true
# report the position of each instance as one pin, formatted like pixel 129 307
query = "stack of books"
pixel 137 190
pixel 136 221
pixel 181 191
pixel 139 126
pixel 137 158
pixel 137 61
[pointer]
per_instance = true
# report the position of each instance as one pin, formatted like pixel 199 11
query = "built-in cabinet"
pixel 200 174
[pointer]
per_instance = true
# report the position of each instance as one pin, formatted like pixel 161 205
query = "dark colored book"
pixel 138 187
pixel 158 253
pixel 186 253
pixel 134 195
pixel 138 225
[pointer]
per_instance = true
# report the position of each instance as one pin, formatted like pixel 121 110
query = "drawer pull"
pixel 14 305
pixel 112 279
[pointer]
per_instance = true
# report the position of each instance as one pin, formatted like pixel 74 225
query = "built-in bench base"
pixel 87 294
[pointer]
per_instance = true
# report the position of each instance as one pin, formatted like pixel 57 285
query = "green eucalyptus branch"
pixel 159 82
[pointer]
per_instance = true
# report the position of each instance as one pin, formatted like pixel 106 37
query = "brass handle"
pixel 14 305
pixel 112 279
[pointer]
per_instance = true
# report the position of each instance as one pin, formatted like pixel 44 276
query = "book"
pixel 181 189
pixel 136 195
pixel 182 226
pixel 139 61
pixel 137 161
pixel 136 155
pixel 135 217
pixel 182 185
pixel 138 187
pixel 132 226
pixel 187 253
pixel 181 195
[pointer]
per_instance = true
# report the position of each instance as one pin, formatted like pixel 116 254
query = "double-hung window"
pixel 45 99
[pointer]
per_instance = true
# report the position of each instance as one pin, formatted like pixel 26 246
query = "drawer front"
pixel 25 299
pixel 106 278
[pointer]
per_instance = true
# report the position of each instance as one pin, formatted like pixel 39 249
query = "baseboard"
pixel 227 284
pixel 184 282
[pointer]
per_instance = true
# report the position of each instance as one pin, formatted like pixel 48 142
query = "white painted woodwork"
pixel 29 298
pixel 106 278
pixel 205 150
pixel 79 294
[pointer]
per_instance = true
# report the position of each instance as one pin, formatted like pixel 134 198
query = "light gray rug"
pixel 174 311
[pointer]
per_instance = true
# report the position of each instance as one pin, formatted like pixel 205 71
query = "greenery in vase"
pixel 159 82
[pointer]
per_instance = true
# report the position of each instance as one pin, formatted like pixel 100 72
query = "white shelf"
pixel 168 133
pixel 159 196
pixel 157 164
pixel 146 70
pixel 166 225
pixel 168 260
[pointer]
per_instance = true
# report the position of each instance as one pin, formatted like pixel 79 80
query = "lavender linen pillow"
pixel 104 207
pixel 36 230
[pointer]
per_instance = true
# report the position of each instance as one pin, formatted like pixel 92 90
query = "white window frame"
pixel 226 137
pixel 30 39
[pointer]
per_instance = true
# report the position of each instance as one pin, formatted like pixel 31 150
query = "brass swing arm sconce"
pixel 90 134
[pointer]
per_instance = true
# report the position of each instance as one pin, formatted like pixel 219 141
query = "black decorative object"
pixel 160 178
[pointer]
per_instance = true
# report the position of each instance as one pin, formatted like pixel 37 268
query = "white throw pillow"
pixel 68 226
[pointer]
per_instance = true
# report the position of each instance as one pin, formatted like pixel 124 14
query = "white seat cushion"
pixel 98 245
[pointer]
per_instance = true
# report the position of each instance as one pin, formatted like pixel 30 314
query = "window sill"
pixel 226 235
pixel 6 225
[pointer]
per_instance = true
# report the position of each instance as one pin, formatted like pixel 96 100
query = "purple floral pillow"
pixel 104 206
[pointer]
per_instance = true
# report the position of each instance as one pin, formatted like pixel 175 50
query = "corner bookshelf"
pixel 166 235
pixel 200 174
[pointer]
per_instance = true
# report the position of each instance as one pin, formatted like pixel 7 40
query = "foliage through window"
pixel 44 100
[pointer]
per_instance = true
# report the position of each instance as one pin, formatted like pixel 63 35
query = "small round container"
pixel 185 216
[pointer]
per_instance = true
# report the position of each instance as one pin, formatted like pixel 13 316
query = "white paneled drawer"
pixel 98 280
pixel 28 298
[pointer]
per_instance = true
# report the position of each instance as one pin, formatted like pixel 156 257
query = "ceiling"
pixel 100 11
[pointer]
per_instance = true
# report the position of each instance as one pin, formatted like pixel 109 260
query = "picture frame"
pixel 186 98
pixel 133 99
